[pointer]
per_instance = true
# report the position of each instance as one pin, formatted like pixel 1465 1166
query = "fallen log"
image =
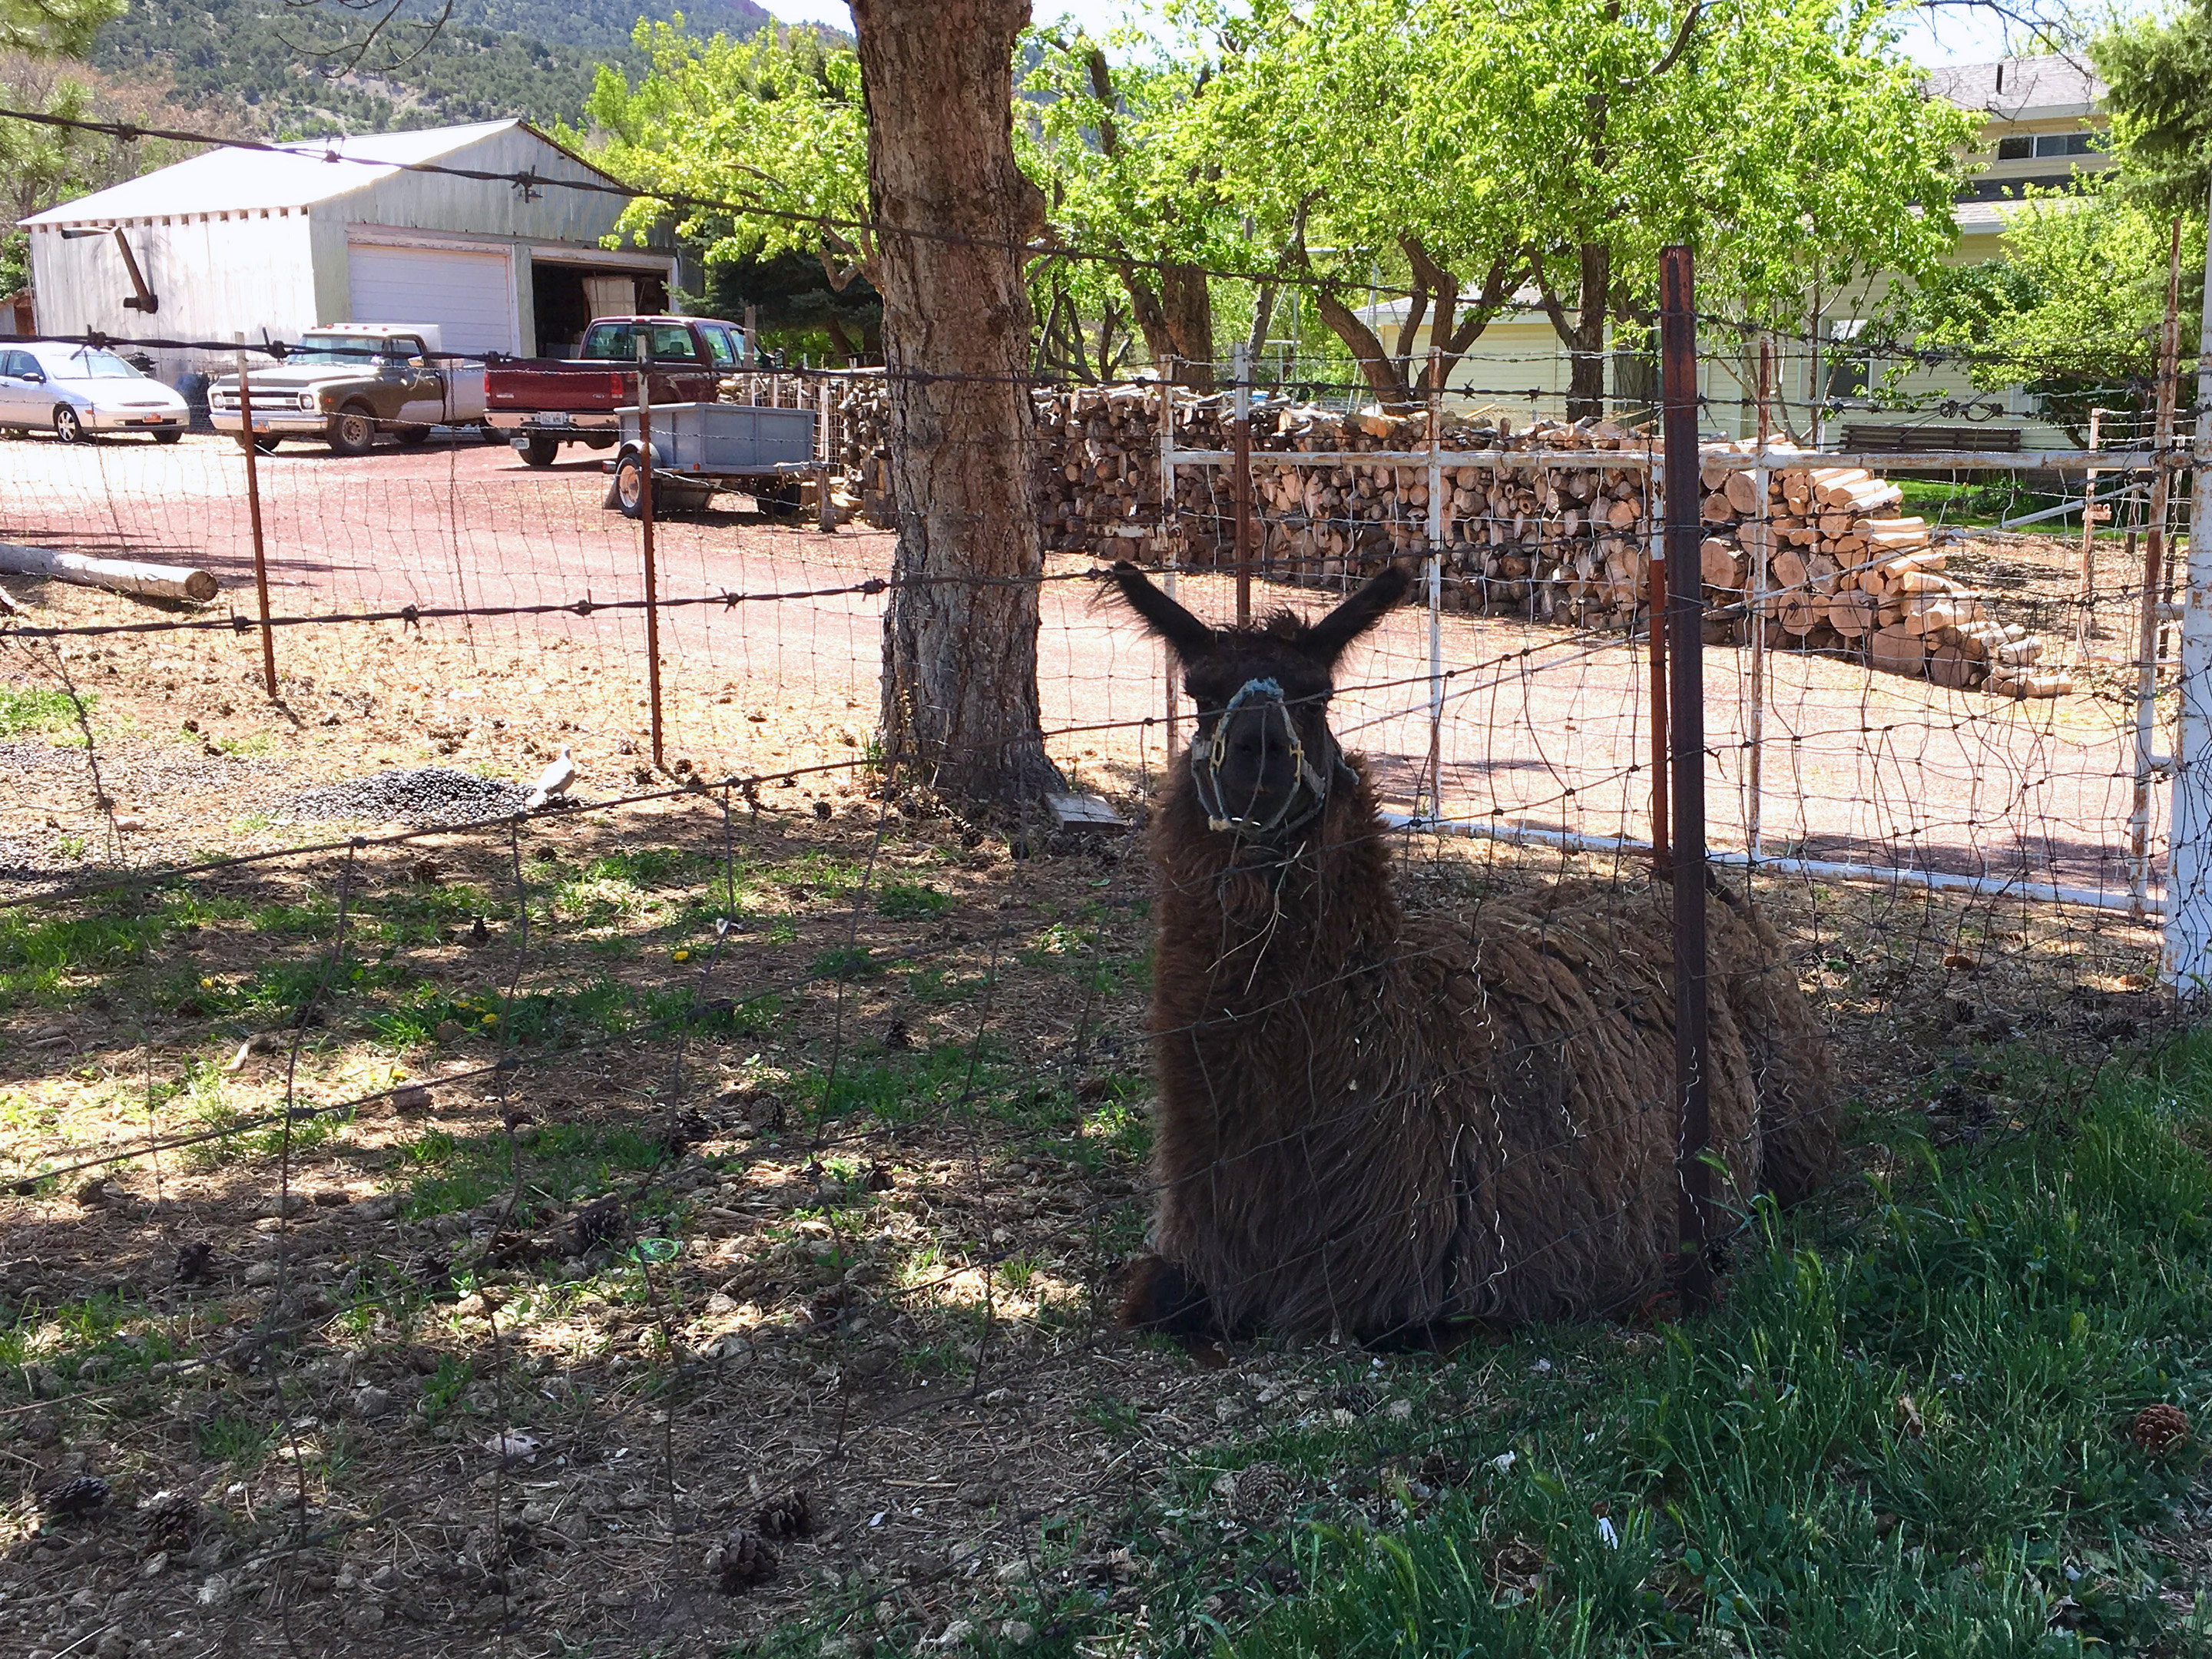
pixel 148 581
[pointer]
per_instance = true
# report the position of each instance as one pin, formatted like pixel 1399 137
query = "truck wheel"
pixel 168 437
pixel 412 437
pixel 353 430
pixel 629 487
pixel 541 451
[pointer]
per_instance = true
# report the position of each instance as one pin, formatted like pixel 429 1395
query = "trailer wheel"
pixel 540 450
pixel 778 498
pixel 630 487
pixel 412 437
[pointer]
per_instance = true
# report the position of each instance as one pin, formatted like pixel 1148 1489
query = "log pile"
pixel 1569 540
pixel 1846 571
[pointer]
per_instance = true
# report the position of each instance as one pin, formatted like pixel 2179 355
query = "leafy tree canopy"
pixel 2072 311
pixel 2159 73
pixel 1561 142
pixel 772 126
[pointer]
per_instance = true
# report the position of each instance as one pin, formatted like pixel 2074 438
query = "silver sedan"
pixel 74 391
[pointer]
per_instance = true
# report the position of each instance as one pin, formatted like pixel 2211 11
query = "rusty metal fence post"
pixel 1243 486
pixel 645 521
pixel 1678 349
pixel 253 517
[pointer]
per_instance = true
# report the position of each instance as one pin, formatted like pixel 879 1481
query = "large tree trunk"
pixel 954 212
pixel 1176 318
pixel 1584 335
pixel 1385 378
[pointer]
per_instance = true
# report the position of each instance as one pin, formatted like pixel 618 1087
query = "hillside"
pixel 271 61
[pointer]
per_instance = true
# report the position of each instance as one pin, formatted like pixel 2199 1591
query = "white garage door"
pixel 470 296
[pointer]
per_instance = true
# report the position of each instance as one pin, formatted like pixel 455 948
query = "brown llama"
pixel 1379 1124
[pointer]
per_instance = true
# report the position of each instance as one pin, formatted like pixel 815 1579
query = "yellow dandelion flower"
pixel 683 956
pixel 491 1020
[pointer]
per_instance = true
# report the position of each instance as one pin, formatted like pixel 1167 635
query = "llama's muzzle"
pixel 1301 803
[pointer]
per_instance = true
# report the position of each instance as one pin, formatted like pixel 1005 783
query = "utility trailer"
pixel 699 448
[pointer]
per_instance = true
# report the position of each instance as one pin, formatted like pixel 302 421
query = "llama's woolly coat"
pixel 1371 1123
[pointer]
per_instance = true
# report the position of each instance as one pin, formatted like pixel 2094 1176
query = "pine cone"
pixel 2159 1428
pixel 747 1561
pixel 80 1496
pixel 788 1516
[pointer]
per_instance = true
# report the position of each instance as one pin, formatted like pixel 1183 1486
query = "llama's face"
pixel 1263 759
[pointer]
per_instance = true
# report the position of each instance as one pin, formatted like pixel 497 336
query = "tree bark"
pixel 954 214
pixel 1384 378
pixel 1584 335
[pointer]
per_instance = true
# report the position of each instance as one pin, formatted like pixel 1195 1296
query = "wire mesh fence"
pixel 703 1206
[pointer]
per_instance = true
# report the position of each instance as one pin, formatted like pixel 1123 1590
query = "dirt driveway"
pixel 1541 728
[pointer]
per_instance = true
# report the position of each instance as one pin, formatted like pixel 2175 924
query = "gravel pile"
pixel 427 797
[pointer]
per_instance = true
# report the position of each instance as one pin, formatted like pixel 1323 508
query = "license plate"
pixel 553 420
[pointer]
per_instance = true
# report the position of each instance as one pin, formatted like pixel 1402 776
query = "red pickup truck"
pixel 542 402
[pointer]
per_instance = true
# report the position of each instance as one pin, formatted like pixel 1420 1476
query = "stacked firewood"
pixel 1569 539
pixel 1846 570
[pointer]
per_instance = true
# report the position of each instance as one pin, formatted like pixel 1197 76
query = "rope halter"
pixel 1206 747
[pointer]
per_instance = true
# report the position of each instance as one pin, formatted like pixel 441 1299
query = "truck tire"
pixel 264 444
pixel 541 451
pixel 412 437
pixel 352 430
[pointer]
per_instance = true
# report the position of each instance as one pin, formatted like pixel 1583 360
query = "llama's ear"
pixel 1326 640
pixel 1185 636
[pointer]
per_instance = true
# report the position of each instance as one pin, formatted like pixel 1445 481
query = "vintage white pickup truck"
pixel 346 382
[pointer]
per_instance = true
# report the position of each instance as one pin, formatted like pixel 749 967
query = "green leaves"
pixel 2156 69
pixel 2072 311
pixel 772 125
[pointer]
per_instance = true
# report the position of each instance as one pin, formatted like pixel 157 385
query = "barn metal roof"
pixel 300 175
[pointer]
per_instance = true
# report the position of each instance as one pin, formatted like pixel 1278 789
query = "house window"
pixel 2031 146
pixel 1849 370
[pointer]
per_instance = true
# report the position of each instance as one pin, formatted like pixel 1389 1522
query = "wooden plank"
pixel 1091 812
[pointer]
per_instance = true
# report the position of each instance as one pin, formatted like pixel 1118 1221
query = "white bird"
pixel 553 782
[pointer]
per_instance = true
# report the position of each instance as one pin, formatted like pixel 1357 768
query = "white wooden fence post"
pixel 2188 953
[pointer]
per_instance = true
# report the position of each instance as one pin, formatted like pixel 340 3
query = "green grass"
pixel 1769 1489
pixel 1981 503
pixel 33 709
pixel 911 901
pixel 563 1163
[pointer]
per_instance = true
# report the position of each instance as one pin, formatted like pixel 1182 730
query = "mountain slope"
pixel 293 69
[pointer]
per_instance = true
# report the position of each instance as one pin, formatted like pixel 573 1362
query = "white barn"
pixel 268 243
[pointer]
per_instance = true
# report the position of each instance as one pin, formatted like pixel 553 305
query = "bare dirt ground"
pixel 669 1160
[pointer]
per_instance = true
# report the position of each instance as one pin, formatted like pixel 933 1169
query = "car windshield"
pixel 614 343
pixel 352 350
pixel 90 365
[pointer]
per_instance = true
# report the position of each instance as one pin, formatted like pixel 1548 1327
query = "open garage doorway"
pixel 567 296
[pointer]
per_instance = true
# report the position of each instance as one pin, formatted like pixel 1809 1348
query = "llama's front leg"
pixel 1158 1296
